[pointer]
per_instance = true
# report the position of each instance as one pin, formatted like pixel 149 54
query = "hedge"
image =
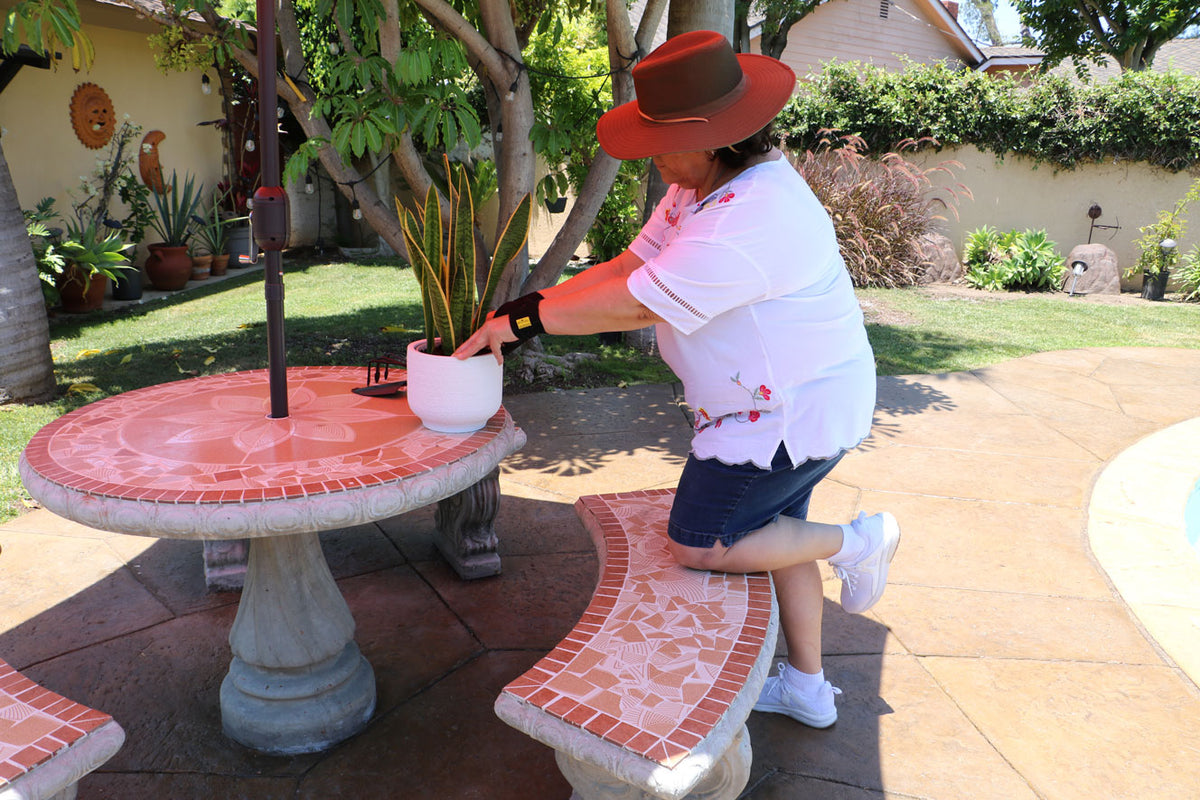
pixel 1152 117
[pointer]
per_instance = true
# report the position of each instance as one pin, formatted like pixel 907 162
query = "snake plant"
pixel 443 258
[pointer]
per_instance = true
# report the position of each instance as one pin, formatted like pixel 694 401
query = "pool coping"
pixel 1137 534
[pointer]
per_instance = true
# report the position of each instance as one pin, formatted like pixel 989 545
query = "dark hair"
pixel 757 144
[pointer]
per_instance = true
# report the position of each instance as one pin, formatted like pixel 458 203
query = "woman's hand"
pixel 493 333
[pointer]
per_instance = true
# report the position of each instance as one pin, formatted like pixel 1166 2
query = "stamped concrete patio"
pixel 1001 663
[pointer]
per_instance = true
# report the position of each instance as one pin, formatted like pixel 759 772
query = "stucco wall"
pixel 1017 193
pixel 43 153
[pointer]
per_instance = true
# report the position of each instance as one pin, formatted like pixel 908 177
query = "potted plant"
pixel 169 266
pixel 212 231
pixel 448 394
pixel 92 206
pixel 93 255
pixel 1158 247
pixel 136 197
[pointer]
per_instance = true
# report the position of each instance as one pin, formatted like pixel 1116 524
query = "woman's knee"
pixel 697 557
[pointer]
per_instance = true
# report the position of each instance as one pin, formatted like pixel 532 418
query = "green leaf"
pixel 464 256
pixel 510 243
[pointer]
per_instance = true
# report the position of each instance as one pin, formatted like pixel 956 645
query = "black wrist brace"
pixel 523 318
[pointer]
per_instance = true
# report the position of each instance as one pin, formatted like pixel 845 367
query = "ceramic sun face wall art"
pixel 92 115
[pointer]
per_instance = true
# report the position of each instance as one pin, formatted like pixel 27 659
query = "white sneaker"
pixel 863 582
pixel 778 697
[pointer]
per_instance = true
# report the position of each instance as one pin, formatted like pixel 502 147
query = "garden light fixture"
pixel 1077 269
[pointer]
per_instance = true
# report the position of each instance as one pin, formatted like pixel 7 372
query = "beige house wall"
pixel 853 30
pixel 1016 193
pixel 43 153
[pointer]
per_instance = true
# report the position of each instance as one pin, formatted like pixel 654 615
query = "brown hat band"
pixel 698 113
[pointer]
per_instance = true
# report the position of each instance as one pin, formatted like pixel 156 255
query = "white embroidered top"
pixel 763 327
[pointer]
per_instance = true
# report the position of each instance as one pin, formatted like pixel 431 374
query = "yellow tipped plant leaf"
pixel 433 236
pixel 422 269
pixel 516 231
pixel 127 358
pixel 85 353
pixel 395 329
pixel 209 360
pixel 82 388
pixel 462 307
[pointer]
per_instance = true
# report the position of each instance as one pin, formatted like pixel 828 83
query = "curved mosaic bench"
pixel 47 742
pixel 648 696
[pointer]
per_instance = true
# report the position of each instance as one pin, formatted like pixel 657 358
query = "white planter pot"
pixel 450 395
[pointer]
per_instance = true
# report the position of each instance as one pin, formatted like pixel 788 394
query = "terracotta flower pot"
pixel 450 395
pixel 74 297
pixel 201 267
pixel 220 264
pixel 168 267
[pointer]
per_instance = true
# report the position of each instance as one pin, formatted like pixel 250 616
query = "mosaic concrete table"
pixel 201 459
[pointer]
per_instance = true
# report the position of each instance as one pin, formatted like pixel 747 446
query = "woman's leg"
pixel 788 548
pixel 801 601
pixel 783 543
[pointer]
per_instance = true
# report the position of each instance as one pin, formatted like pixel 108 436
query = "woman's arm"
pixel 620 267
pixel 594 301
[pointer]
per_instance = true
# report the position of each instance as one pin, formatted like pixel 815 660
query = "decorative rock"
pixel 941 260
pixel 1102 275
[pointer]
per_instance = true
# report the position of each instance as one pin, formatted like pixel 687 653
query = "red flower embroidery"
pixel 754 415
pixel 765 392
pixel 725 198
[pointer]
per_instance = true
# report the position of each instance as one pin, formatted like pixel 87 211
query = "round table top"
pixel 210 441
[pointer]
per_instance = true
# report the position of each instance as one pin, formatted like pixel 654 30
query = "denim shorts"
pixel 719 502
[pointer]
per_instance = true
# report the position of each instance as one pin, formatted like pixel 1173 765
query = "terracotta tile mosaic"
pixel 35 723
pixel 209 439
pixel 658 655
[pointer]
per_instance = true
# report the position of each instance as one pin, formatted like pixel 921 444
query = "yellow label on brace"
pixel 524 322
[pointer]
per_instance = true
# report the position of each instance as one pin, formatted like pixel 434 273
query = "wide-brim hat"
pixel 695 93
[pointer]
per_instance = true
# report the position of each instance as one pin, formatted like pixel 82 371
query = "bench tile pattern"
pixel 657 657
pixel 36 723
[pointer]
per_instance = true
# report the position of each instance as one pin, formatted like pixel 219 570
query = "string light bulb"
pixel 308 184
pixel 205 84
pixel 250 145
pixel 357 213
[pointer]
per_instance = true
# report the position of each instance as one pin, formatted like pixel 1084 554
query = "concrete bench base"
pixel 47 742
pixel 648 696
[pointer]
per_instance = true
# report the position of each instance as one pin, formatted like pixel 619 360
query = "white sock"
pixel 804 683
pixel 853 545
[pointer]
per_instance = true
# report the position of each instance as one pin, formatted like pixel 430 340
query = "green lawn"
pixel 345 313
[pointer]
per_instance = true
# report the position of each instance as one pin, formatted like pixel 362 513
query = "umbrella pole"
pixel 269 218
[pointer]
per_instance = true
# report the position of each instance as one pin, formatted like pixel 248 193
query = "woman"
pixel 740 270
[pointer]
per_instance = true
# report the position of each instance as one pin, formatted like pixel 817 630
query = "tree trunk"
pixel 701 15
pixel 987 15
pixel 26 367
pixel 624 49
